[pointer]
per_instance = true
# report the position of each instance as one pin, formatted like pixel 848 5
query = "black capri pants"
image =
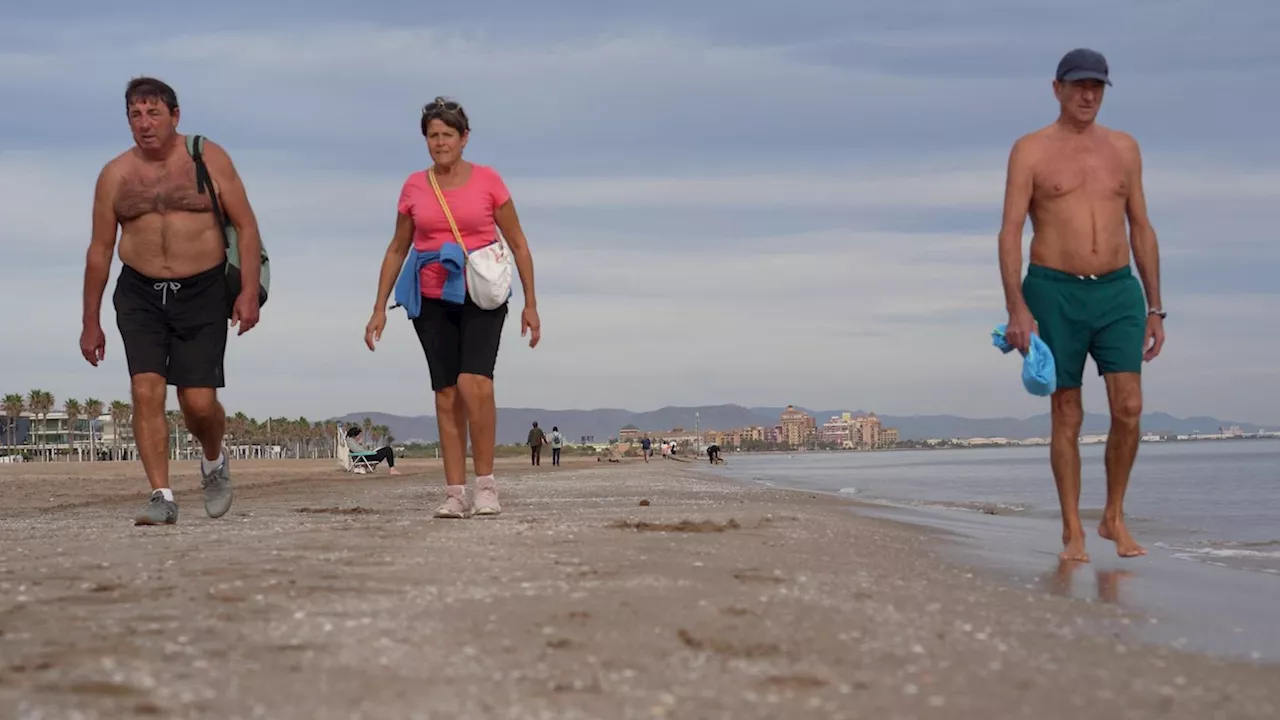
pixel 458 339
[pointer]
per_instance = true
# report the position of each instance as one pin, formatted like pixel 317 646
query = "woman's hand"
pixel 373 331
pixel 530 324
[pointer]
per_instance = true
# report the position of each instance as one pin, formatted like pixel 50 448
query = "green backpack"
pixel 195 147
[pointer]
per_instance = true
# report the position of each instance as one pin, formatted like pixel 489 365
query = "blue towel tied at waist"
pixel 408 291
pixel 1039 374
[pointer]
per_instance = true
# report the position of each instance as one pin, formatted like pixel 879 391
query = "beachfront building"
pixel 629 436
pixel 57 435
pixel 750 436
pixel 862 432
pixel 798 427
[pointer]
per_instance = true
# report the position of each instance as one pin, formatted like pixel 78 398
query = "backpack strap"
pixel 195 148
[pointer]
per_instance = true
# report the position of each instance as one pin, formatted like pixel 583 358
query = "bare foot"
pixel 393 471
pixel 1116 532
pixel 1074 549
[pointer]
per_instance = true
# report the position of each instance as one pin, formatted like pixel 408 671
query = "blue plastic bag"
pixel 1039 374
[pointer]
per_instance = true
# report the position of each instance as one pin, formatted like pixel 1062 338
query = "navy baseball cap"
pixel 1083 64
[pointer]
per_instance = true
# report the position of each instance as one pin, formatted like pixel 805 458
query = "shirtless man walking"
pixel 1080 182
pixel 171 299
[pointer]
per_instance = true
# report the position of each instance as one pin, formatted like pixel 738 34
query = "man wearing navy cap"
pixel 1081 184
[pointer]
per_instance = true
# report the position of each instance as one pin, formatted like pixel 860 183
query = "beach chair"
pixel 359 463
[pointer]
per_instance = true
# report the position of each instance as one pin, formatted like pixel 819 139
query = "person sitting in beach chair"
pixel 366 459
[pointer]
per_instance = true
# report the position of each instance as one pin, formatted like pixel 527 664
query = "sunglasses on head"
pixel 441 105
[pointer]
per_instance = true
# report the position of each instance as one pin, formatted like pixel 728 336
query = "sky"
pixel 727 202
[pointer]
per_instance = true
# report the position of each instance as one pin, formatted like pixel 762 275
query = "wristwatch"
pixel 1157 312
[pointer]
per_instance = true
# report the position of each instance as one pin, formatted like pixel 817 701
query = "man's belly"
pixel 1085 241
pixel 173 245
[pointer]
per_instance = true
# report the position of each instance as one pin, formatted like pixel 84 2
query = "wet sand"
pixel 324 595
pixel 1190 605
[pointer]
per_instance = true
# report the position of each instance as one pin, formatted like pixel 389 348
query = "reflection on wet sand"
pixel 1061 580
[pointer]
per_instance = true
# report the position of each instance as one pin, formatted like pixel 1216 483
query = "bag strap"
pixel 431 175
pixel 195 148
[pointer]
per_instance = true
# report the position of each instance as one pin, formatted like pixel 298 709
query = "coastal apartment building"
pixel 53 435
pixel 795 429
pixel 863 432
pixel 798 427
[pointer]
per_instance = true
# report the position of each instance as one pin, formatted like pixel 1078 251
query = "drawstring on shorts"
pixel 164 287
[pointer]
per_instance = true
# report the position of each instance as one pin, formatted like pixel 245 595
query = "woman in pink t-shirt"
pixel 459 338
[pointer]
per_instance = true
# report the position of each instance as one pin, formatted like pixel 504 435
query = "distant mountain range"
pixel 602 424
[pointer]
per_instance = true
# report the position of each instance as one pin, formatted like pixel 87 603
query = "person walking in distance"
pixel 172 300
pixel 1081 183
pixel 557 442
pixel 459 338
pixel 646 447
pixel 536 440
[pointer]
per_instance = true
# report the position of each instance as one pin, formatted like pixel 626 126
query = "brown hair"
pixel 148 88
pixel 446 111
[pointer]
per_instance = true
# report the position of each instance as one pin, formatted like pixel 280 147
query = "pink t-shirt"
pixel 472 206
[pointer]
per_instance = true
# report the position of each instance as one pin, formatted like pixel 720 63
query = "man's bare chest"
pixel 1096 172
pixel 159 189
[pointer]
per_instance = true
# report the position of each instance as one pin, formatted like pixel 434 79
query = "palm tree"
pixel 238 429
pixel 175 422
pixel 120 416
pixel 41 402
pixel 14 404
pixel 74 410
pixel 93 410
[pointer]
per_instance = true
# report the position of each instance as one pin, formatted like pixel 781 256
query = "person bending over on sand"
pixel 713 454
pixel 1080 182
pixel 383 454
pixel 172 298
pixel 459 339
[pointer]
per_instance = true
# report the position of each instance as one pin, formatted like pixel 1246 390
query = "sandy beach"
pixel 603 591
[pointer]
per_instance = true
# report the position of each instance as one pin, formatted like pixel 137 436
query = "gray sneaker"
pixel 158 511
pixel 216 485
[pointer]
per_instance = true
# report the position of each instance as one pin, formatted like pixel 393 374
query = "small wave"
pixel 986 508
pixel 1235 544
pixel 1087 515
pixel 1199 558
pixel 1240 550
pixel 1239 556
pixel 848 491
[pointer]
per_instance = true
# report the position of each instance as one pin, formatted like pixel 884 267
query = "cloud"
pixel 776 207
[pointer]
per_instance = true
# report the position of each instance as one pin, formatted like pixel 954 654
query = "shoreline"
pixel 1019 443
pixel 327 595
pixel 1203 607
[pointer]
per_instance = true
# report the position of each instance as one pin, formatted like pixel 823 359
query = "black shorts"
pixel 458 339
pixel 174 327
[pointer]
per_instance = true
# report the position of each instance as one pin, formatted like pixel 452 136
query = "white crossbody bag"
pixel 488 270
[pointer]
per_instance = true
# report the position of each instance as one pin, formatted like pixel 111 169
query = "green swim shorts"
pixel 1100 315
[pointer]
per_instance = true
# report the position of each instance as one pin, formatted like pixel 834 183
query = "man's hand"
pixel 1154 339
pixel 1018 331
pixel 245 311
pixel 532 325
pixel 93 343
pixel 373 331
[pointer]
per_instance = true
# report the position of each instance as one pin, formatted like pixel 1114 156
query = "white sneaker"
pixel 455 505
pixel 487 496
